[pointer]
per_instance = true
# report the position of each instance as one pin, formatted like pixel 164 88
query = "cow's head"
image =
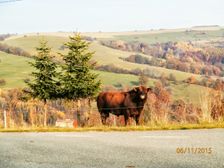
pixel 141 92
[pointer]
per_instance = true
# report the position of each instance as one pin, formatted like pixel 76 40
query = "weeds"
pixel 158 114
pixel 122 129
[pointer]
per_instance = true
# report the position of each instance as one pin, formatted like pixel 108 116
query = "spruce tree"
pixel 77 80
pixel 43 86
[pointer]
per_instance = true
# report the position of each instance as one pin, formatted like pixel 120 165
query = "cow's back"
pixel 110 100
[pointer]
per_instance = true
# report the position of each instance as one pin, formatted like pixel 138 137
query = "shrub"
pixel 143 79
pixel 2 82
pixel 4 36
pixel 14 50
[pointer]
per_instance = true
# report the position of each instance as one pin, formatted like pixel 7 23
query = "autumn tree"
pixel 191 80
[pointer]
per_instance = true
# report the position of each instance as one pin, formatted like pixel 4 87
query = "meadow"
pixel 15 69
pixel 187 35
pixel 103 55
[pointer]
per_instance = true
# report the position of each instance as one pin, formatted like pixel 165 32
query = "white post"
pixel 5 119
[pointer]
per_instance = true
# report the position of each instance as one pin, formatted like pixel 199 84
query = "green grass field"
pixel 103 55
pixel 29 43
pixel 174 36
pixel 14 69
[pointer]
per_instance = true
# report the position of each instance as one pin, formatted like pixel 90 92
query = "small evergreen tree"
pixel 43 86
pixel 77 80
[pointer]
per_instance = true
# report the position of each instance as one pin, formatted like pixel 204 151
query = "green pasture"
pixel 103 55
pixel 191 35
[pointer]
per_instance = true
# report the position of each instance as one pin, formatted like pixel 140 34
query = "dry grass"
pixel 204 125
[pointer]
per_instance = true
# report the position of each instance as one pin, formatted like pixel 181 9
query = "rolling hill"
pixel 14 69
pixel 103 55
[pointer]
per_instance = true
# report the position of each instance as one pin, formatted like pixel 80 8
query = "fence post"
pixel 78 112
pixel 5 119
pixel 115 120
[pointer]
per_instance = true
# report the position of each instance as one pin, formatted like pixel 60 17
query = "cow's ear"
pixel 149 89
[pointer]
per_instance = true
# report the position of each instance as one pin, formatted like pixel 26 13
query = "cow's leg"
pixel 137 117
pixel 126 117
pixel 104 117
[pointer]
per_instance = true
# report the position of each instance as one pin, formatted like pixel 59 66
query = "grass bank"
pixel 123 129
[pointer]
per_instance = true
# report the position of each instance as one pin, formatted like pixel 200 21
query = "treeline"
pixel 4 36
pixel 173 63
pixel 207 81
pixel 137 71
pixel 182 56
pixel 14 50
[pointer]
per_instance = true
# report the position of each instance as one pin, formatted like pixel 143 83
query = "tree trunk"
pixel 78 112
pixel 45 113
pixel 90 109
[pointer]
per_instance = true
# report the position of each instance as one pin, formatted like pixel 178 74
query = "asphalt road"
pixel 152 149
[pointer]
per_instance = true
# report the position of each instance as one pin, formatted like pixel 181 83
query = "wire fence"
pixel 120 108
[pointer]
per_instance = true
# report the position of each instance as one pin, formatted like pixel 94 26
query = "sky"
pixel 26 16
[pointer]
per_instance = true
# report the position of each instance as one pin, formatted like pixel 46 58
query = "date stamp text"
pixel 194 150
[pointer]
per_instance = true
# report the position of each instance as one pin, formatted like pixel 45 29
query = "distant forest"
pixel 182 56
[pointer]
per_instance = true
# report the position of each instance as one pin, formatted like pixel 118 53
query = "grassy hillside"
pixel 103 55
pixel 14 69
pixel 29 43
pixel 191 35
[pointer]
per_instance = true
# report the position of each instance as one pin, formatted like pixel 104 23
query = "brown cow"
pixel 129 104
